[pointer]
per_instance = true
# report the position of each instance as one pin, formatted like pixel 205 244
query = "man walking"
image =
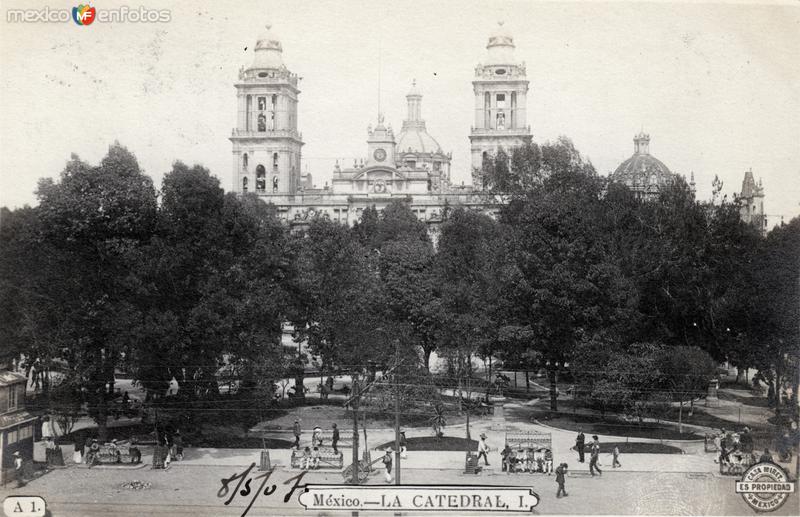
pixel 483 450
pixel 335 438
pixel 296 431
pixel 387 462
pixel 595 456
pixel 580 443
pixel 561 472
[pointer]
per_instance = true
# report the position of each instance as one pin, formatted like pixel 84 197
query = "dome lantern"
pixel 268 52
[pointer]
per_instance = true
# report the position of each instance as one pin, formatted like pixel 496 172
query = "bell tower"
pixel 501 89
pixel 266 143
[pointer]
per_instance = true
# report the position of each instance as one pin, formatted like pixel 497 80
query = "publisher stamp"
pixel 765 487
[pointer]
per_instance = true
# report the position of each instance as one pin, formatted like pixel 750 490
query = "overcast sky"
pixel 717 87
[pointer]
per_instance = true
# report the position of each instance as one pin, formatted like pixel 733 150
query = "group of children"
pixel 527 460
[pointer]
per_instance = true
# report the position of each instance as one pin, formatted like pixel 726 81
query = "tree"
pixel 463 273
pixel 563 282
pixel 96 219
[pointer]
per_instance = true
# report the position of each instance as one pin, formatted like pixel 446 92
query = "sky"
pixel 717 86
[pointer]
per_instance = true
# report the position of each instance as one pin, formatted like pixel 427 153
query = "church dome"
pixel 413 137
pixel 269 52
pixel 643 172
pixel 417 140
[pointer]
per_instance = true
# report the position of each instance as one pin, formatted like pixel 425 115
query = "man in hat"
pixel 296 431
pixel 580 443
pixel 387 462
pixel 403 445
pixel 483 450
pixel 561 473
pixel 595 457
pixel 18 470
pixel 335 438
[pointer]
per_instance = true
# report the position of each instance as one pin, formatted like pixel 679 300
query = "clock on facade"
pixel 379 154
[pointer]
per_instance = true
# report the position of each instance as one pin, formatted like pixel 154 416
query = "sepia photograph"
pixel 399 258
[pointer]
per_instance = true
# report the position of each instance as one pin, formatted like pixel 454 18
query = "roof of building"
pixel 15 418
pixel 642 170
pixel 416 139
pixel 749 186
pixel 7 378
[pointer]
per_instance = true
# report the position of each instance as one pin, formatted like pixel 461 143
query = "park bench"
pixel 530 442
pixel 327 459
pixel 111 454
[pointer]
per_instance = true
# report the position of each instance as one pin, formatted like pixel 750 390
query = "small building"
pixel 16 424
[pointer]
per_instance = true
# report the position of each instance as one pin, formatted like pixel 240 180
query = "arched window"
pixel 274 161
pixel 261 178
pixel 244 185
pixel 244 161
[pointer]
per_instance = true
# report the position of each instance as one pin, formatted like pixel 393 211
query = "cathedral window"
pixel 274 161
pixel 261 178
pixel 262 122
pixel 501 120
pixel 512 122
pixel 244 161
pixel 244 185
pixel 501 100
pixel 437 166
pixel 262 103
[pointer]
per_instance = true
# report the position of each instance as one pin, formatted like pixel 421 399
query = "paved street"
pixel 192 490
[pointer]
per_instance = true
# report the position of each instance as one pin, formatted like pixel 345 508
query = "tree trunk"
pixel 691 406
pixel 354 405
pixel 489 383
pixel 552 376
pixel 426 354
pixel 527 381
pixel 680 418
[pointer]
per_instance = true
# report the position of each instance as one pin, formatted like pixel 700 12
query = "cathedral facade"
pixel 409 165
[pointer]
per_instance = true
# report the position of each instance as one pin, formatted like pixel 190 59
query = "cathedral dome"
pixel 269 52
pixel 417 140
pixel 413 137
pixel 642 172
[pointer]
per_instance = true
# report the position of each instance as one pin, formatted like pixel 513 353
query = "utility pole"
pixel 397 413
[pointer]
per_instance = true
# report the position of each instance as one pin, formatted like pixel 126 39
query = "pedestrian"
pixel 77 456
pixel 177 442
pixel 387 462
pixel 561 473
pixel 580 443
pixel 505 455
pixel 316 436
pixel 483 450
pixel 595 457
pixel 548 461
pixel 296 431
pixel 18 471
pixel 403 445
pixel 616 462
pixel 306 458
pixel 335 438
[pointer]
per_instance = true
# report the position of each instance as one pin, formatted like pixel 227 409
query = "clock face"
pixel 379 154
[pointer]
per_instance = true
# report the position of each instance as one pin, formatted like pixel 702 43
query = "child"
pixel 306 458
pixel 616 462
pixel 315 458
pixel 387 463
